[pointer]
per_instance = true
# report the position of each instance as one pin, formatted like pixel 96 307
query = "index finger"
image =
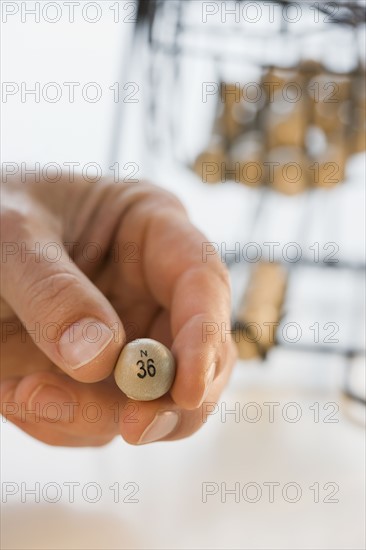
pixel 196 291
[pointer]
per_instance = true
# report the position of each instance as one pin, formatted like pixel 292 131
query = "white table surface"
pixel 170 512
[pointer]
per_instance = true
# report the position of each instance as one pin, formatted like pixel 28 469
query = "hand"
pixel 85 268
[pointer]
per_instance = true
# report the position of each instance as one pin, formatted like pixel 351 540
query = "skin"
pixel 167 294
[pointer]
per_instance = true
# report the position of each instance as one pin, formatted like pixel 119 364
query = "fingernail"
pixel 163 424
pixel 210 375
pixel 84 341
pixel 48 402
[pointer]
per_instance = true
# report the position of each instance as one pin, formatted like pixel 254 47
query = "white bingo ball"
pixel 145 370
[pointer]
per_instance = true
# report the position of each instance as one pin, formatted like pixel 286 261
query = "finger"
pixel 202 340
pixel 60 411
pixel 198 295
pixel 57 410
pixel 68 318
pixel 19 355
pixel 163 420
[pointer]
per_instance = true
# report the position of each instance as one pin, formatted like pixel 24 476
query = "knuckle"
pixel 51 293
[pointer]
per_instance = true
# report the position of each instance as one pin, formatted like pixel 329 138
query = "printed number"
pixel 151 370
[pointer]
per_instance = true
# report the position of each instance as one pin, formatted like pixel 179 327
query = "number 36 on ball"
pixel 145 370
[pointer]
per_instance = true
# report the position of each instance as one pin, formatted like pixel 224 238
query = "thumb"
pixel 68 318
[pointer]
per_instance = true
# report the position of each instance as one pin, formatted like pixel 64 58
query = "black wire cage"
pixel 269 97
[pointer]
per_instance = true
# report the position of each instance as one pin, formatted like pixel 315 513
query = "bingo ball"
pixel 145 370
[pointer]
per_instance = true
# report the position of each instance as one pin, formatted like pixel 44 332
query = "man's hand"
pixel 85 268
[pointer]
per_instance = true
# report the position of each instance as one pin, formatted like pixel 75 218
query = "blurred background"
pixel 253 113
